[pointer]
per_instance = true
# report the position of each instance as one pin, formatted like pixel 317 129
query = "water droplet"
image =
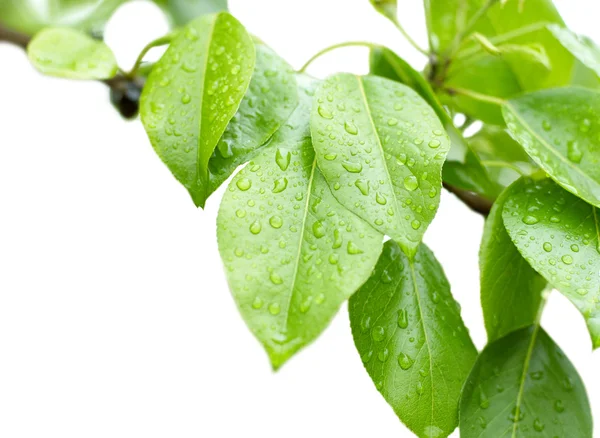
pixel 574 152
pixel 282 158
pixel 538 425
pixel 434 144
pixel 381 200
pixel 365 323
pixel 546 125
pixel 575 248
pixel 363 186
pixel 530 220
pixel 255 227
pixel 585 125
pixel 353 249
pixel 186 98
pixel 243 184
pixel 567 259
pixel 275 278
pixel 366 357
pixel 350 128
pixel 352 167
pixel 318 229
pixel 559 406
pixel 337 239
pixel 419 388
pixel 324 112
pixel 383 355
pixel 257 303
pixel 415 224
pixel 547 246
pixel 240 213
pixel 378 333
pixel 537 375
pixel 280 185
pixel 402 318
pixel 392 121
pixel 330 157
pixel 516 415
pixel 276 221
pixel 411 183
pixel 484 402
pixel 405 361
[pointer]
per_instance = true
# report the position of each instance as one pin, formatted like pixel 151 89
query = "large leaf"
pixel 30 16
pixel 269 101
pixel 72 54
pixel 192 94
pixel 524 386
pixel 511 290
pixel 582 47
pixel 381 149
pixel 559 129
pixel 292 253
pixel 183 11
pixel 558 234
pixel 413 343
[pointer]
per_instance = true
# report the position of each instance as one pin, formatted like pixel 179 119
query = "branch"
pixel 124 91
pixel 472 200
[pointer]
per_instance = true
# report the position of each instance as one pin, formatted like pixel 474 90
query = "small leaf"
pixel 68 53
pixel 269 101
pixel 292 253
pixel 582 47
pixel 193 92
pixel 511 290
pixel 412 341
pixel 388 8
pixel 381 150
pixel 522 386
pixel 559 129
pixel 558 234
pixel 183 11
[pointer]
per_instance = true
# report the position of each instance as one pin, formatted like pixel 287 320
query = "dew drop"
pixel 274 308
pixel 282 158
pixel 567 259
pixel 257 303
pixel 530 220
pixel 275 278
pixel 280 185
pixel 243 184
pixel 318 229
pixel 415 224
pixel 405 361
pixel 402 318
pixel 352 167
pixel 411 183
pixel 547 246
pixel 381 200
pixel 255 228
pixel 574 152
pixel 276 221
pixel 378 333
pixel 350 128
pixel 324 112
pixel 363 186
pixel 353 249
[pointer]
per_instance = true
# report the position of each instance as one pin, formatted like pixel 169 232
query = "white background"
pixel 115 317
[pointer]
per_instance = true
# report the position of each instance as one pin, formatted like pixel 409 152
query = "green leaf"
pixel 292 253
pixel 29 16
pixel 558 234
pixel 411 338
pixel 522 386
pixel 559 129
pixel 193 92
pixel 446 19
pixel 462 168
pixel 269 101
pixel 511 290
pixel 68 53
pixel 388 8
pixel 381 150
pixel 582 47
pixel 183 11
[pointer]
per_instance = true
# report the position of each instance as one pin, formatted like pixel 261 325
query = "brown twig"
pixel 472 200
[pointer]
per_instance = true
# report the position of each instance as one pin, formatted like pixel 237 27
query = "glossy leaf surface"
pixel 559 129
pixel 412 341
pixel 269 101
pixel 582 47
pixel 68 53
pixel 523 385
pixel 511 290
pixel 381 150
pixel 292 253
pixel 558 234
pixel 193 92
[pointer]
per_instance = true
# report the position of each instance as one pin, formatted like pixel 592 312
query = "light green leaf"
pixel 193 92
pixel 183 11
pixel 292 253
pixel 269 101
pixel 381 150
pixel 30 16
pixel 69 53
pixel 511 290
pixel 388 8
pixel 524 386
pixel 582 47
pixel 559 129
pixel 411 338
pixel 558 234
pixel 447 19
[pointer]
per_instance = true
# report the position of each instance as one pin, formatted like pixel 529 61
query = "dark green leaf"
pixel 31 16
pixel 412 341
pixel 381 150
pixel 511 291
pixel 470 175
pixel 269 101
pixel 184 11
pixel 524 386
pixel 69 53
pixel 193 92
pixel 293 254
pixel 559 129
pixel 558 234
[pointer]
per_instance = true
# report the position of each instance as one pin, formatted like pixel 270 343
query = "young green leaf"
pixel 558 234
pixel 409 333
pixel 522 386
pixel 447 20
pixel 32 16
pixel 381 150
pixel 582 47
pixel 559 129
pixel 69 53
pixel 269 101
pixel 388 8
pixel 183 11
pixel 292 253
pixel 511 290
pixel 193 92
